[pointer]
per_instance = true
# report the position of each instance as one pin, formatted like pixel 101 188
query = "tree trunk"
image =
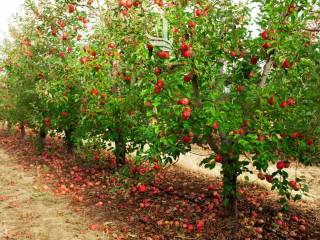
pixel 68 140
pixel 23 130
pixel 41 139
pixel 229 178
pixel 120 150
pixel 230 174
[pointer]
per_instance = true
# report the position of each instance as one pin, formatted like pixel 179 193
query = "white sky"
pixel 7 9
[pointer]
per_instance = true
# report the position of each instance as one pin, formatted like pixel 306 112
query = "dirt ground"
pixel 51 196
pixel 28 211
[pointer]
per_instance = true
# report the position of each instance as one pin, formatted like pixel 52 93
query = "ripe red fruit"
pixel 156 89
pixel 197 12
pixel 83 60
pixel 233 54
pixel 271 101
pixel 64 114
pixel 127 78
pixel 69 49
pixel 215 125
pixel 186 54
pixel 94 54
pixel 71 8
pixel 284 104
pixel 96 157
pixel 295 135
pixel 210 187
pixel 286 64
pixel 62 54
pixel 266 45
pixel 163 54
pixel 156 167
pixel 192 24
pixel 160 84
pixel 183 101
pixel 251 74
pixel 291 102
pixel 264 35
pixel 184 47
pixel 95 92
pixel 111 45
pixel 128 4
pixel 292 183
pixel 240 88
pixel 261 138
pixel 302 228
pixel 54 32
pixel 310 142
pixel 186 114
pixel 150 47
pixel 136 3
pixel 124 12
pixel 157 71
pixel 187 77
pixel 142 188
pixel 280 165
pixel 47 121
pixel 279 222
pixel 122 3
pixel 218 158
pixel 253 60
pixel 295 218
pixel 186 139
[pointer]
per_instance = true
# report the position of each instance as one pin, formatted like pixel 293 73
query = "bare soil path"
pixel 29 212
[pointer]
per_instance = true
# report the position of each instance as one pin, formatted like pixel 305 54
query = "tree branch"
pixel 265 72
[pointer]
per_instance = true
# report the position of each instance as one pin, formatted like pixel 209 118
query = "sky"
pixel 7 9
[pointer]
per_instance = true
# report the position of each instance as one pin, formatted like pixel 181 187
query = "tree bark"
pixel 23 130
pixel 229 179
pixel 120 148
pixel 68 140
pixel 41 139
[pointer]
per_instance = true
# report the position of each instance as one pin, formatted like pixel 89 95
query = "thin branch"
pixel 265 72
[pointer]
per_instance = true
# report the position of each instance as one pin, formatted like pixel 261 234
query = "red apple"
pixel 291 102
pixel 187 77
pixel 253 60
pixel 264 35
pixel 284 104
pixel 266 45
pixel 192 24
pixel 128 4
pixel 271 101
pixel 240 88
pixel 163 54
pixel 215 125
pixel 197 12
pixel 71 8
pixel 160 84
pixel 62 54
pixel 310 142
pixel 280 165
pixel 218 158
pixel 157 71
pixel 186 139
pixel 286 64
pixel 295 135
pixel 186 114
pixel 186 54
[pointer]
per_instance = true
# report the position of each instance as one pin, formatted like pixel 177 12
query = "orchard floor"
pixel 48 196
